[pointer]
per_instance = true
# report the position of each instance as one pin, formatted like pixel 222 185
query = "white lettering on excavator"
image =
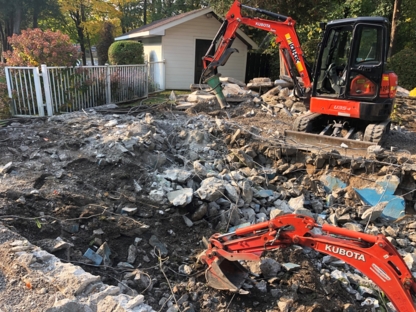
pixel 344 252
pixel 341 107
pixel 262 24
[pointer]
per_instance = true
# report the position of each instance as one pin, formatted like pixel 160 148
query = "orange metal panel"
pixel 335 107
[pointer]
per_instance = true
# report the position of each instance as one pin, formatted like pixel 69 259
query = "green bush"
pixel 403 64
pixel 125 53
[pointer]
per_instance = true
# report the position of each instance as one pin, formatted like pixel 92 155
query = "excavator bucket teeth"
pixel 223 274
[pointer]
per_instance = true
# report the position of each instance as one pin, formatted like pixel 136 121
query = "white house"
pixel 182 40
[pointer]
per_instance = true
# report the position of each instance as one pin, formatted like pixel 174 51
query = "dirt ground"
pixel 40 203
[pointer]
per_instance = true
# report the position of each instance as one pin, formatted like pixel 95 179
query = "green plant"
pixel 403 64
pixel 125 53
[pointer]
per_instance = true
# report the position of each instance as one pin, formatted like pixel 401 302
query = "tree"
pixel 35 47
pixel 394 22
pixel 107 38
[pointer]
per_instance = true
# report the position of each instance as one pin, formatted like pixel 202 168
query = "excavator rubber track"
pixel 311 132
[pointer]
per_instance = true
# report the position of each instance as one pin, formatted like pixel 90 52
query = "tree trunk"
pixel 89 46
pixel 17 19
pixel 394 23
pixel 145 12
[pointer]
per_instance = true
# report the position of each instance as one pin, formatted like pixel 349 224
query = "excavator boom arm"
pixel 285 36
pixel 373 255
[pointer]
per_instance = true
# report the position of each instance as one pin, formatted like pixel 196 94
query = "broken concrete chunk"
pixel 177 175
pixel 297 202
pixel 374 212
pixel 181 197
pixel 211 189
pixel 200 170
pixel 269 267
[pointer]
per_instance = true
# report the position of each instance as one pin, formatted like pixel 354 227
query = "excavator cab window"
pixel 332 77
pixel 366 62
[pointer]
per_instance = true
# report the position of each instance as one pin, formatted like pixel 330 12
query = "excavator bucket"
pixel 223 274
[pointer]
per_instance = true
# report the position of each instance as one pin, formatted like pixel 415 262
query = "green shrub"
pixel 403 64
pixel 125 53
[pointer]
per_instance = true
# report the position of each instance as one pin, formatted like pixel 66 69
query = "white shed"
pixel 182 40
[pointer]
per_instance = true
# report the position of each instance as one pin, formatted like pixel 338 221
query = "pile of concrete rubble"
pixel 196 164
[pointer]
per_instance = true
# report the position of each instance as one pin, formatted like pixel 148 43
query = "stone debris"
pixel 189 177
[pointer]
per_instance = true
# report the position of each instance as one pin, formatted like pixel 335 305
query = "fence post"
pixel 38 91
pixel 8 81
pixel 47 89
pixel 108 85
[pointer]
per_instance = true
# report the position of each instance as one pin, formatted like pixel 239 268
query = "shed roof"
pixel 157 28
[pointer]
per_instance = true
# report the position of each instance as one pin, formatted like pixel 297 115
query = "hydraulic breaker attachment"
pixel 215 84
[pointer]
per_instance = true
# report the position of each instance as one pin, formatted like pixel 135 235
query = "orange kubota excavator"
pixel 349 91
pixel 373 255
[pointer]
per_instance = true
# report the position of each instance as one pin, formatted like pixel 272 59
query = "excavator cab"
pixel 351 65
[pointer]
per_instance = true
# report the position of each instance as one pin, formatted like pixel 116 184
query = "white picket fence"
pixel 53 90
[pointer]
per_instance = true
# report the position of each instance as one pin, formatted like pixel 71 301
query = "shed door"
pixel 201 48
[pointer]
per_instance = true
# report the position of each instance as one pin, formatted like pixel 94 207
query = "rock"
pixel 275 213
pixel 130 211
pixel 154 242
pixel 231 192
pixel 200 170
pixel 185 269
pixel 177 175
pixel 353 226
pixel 410 260
pixel 285 303
pixel 269 268
pixel 67 305
pixel 157 196
pixel 53 245
pixel 188 221
pixel 243 157
pixel 304 212
pixel 290 266
pixel 373 212
pixel 180 197
pixel 254 267
pixel 132 254
pixel 211 189
pixel 6 168
pixel 142 280
pixel 263 193
pixel 249 214
pixel 111 123
pixel 200 212
pixel 297 202
pixel 234 215
pixel 262 286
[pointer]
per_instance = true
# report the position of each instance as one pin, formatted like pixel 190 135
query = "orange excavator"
pixel 373 255
pixel 349 91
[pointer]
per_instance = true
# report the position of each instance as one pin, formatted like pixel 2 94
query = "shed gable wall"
pixel 179 52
